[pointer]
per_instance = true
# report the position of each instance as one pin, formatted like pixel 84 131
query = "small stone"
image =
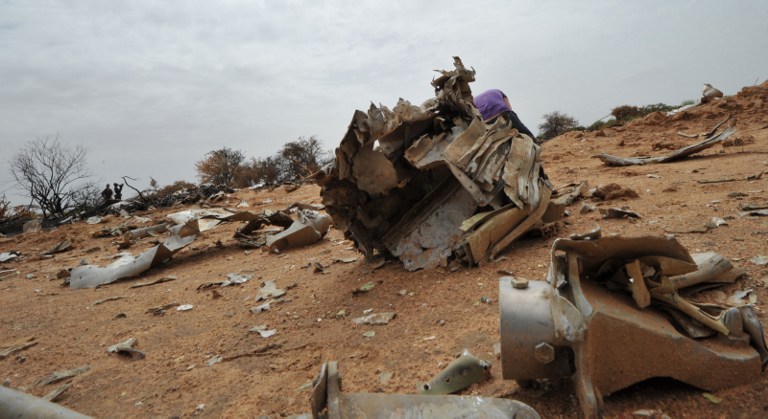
pixel 519 283
pixel 369 334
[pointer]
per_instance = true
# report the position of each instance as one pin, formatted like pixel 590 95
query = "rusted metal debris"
pixel 432 182
pixel 575 324
pixel 329 402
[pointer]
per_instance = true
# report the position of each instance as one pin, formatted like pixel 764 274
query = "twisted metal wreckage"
pixel 432 182
pixel 612 314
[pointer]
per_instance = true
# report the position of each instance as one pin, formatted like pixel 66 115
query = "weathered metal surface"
pixel 607 341
pixel 329 402
pixel 15 404
pixel 405 182
pixel 458 375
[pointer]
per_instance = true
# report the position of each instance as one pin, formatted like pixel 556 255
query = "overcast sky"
pixel 149 87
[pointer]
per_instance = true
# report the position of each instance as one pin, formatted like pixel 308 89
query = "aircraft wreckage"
pixel 433 182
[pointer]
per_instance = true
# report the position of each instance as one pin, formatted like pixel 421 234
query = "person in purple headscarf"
pixel 494 103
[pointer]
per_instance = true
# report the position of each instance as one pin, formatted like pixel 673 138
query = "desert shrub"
pixel 556 123
pixel 626 113
pixel 301 158
pixel 220 167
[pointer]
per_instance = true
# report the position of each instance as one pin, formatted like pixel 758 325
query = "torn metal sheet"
pixel 56 393
pixel 6 256
pixel 310 227
pixel 15 404
pixel 329 402
pixel 458 375
pixel 57 376
pixel 676 155
pixel 572 324
pixel 59 247
pixel 126 348
pixel 405 182
pixel 269 290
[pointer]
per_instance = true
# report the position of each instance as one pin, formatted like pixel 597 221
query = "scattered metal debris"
pixel 185 307
pixel 115 298
pixel 593 234
pixel 59 247
pixel 676 155
pixel 458 375
pixel 269 290
pixel 232 279
pixel 362 289
pixel 261 308
pixel 6 256
pixel 375 318
pixel 575 313
pixel 618 213
pixel 90 276
pixel 432 182
pixel 329 402
pixel 258 351
pixel 754 213
pixel 19 345
pixel 710 93
pixel 126 348
pixel 726 180
pixel 263 331
pixel 161 280
pixel 56 393
pixel 63 375
pixel 159 311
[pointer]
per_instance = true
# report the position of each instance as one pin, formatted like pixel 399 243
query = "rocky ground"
pixel 439 312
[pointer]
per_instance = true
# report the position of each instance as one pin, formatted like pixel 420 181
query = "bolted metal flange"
pixel 544 353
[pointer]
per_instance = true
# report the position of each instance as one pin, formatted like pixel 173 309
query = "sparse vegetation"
pixel 295 162
pixel 556 123
pixel 626 113
pixel 52 174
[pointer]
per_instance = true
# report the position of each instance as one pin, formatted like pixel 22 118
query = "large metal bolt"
pixel 544 353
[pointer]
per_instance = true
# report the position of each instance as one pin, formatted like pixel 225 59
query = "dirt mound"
pixel 440 312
